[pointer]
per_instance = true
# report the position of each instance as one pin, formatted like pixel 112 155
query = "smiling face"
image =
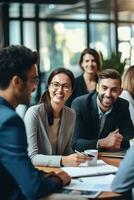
pixel 60 89
pixel 108 91
pixel 89 64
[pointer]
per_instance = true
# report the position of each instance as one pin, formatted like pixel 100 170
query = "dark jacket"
pixel 80 89
pixel 18 178
pixel 86 132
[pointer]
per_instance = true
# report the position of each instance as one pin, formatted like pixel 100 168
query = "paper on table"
pixel 102 168
pixel 80 193
pixel 95 183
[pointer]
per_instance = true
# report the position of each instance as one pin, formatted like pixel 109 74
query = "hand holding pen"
pixel 82 153
pixel 75 159
pixel 116 130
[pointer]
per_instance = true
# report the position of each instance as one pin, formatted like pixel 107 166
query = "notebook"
pixel 119 154
pixel 102 168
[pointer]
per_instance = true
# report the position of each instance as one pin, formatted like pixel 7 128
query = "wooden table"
pixel 103 195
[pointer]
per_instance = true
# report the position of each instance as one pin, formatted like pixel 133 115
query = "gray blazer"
pixel 37 128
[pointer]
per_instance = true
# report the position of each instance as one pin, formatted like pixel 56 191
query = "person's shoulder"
pixel 80 77
pixel 7 112
pixel 70 115
pixel 84 98
pixel 68 110
pixel 35 110
pixel 122 101
pixel 126 95
pixel 79 100
pixel 10 117
pixel 84 101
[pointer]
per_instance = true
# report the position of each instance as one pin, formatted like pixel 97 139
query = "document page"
pixel 102 168
pixel 95 183
pixel 78 193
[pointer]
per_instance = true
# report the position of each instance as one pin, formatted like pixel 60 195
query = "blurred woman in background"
pixel 90 64
pixel 50 124
pixel 128 89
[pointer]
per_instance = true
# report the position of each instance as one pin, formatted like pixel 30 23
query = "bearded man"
pixel 102 117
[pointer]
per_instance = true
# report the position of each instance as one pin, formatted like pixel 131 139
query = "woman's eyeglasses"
pixel 56 85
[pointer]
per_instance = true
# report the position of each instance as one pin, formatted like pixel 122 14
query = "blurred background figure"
pixel 86 83
pixel 128 89
pixel 50 124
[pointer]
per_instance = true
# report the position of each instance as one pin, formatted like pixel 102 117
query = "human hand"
pixel 112 141
pixel 74 159
pixel 49 174
pixel 66 179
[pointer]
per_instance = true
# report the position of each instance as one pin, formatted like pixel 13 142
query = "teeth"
pixel 59 96
pixel 108 101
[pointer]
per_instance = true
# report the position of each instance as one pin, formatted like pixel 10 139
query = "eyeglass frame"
pixel 34 80
pixel 65 86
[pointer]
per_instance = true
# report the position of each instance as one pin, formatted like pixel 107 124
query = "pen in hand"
pixel 90 155
pixel 116 130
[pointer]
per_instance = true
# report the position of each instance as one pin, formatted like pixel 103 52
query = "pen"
pixel 90 155
pixel 116 130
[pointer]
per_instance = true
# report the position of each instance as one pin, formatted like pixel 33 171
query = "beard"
pixel 24 98
pixel 106 102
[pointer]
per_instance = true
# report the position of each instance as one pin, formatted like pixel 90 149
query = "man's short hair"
pixel 15 60
pixel 109 73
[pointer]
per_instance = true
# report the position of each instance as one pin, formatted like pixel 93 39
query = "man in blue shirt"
pixel 19 179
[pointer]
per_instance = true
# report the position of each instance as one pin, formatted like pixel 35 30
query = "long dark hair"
pixel 45 98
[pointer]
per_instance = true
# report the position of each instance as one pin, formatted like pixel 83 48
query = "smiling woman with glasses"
pixel 50 124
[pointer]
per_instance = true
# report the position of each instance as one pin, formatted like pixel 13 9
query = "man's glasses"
pixel 56 85
pixel 35 80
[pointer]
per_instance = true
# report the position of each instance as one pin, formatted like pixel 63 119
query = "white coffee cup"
pixel 93 152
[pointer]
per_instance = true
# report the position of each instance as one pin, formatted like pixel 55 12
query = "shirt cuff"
pixel 97 145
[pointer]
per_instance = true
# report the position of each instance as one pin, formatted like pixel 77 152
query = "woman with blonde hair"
pixel 128 89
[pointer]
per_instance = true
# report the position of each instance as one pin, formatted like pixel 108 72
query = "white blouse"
pixel 126 95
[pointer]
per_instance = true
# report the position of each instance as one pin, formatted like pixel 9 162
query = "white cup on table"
pixel 93 152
